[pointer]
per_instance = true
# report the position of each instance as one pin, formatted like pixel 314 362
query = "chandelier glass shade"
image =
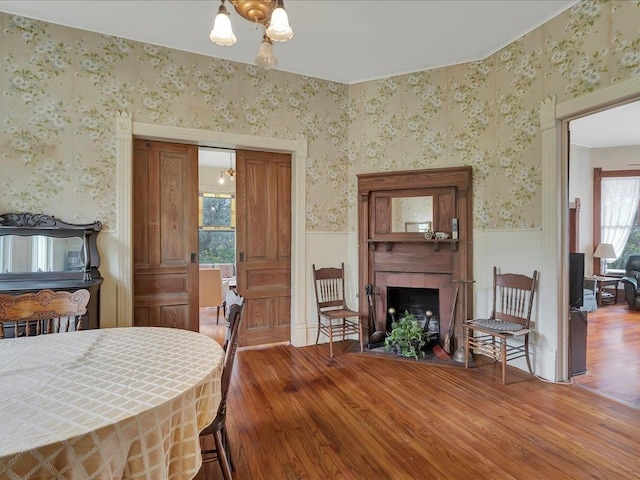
pixel 266 59
pixel 279 29
pixel 270 13
pixel 222 33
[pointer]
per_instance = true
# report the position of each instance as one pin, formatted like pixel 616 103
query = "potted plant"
pixel 407 337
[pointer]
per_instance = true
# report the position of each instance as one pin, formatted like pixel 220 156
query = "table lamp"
pixel 603 252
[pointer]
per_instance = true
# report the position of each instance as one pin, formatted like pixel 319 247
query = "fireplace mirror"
pixel 412 214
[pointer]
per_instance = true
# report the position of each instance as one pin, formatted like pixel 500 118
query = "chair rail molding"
pixel 554 283
pixel 127 129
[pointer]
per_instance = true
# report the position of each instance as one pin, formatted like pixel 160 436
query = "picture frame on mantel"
pixel 421 227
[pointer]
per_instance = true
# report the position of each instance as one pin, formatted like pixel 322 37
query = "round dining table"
pixel 120 403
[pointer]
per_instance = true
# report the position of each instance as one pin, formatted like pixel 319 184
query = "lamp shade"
pixel 605 250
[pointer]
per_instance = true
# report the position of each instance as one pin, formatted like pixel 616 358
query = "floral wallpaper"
pixel 61 89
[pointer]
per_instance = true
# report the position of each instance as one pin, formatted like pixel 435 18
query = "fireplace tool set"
pixel 376 337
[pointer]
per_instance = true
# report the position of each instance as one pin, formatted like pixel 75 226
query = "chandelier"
pixel 270 13
pixel 231 173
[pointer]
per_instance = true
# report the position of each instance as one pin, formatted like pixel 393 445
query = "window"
pixel 616 222
pixel 217 228
pixel 632 247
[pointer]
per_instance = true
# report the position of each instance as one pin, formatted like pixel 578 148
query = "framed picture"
pixel 419 227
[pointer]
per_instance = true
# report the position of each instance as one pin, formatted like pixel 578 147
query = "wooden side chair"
pixel 334 317
pixel 43 312
pixel 217 428
pixel 510 318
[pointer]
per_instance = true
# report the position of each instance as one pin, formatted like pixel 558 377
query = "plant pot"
pixel 407 351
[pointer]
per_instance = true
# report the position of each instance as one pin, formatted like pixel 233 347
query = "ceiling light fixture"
pixel 270 13
pixel 231 173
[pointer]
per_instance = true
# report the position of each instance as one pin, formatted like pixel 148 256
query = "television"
pixel 576 280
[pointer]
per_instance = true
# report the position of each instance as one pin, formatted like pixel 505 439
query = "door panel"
pixel 264 245
pixel 165 234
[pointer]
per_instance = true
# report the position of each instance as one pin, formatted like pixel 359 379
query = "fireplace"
pixel 395 258
pixel 417 301
pixel 426 291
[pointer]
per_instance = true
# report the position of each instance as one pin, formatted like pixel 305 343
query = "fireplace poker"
pixel 446 345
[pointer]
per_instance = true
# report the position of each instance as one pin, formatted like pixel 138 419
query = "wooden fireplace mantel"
pixel 453 244
pixel 383 253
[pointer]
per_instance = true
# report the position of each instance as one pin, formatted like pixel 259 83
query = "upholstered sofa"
pixel 589 302
pixel 631 282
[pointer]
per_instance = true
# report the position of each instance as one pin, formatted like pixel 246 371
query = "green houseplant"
pixel 407 337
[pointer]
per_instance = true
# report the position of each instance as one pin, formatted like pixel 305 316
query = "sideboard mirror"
pixel 41 246
pixel 41 252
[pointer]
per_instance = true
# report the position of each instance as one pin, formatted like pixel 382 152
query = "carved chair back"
pixel 43 312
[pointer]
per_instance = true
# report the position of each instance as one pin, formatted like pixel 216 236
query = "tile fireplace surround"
pixel 406 259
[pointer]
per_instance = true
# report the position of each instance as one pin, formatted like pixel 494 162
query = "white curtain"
pixel 619 206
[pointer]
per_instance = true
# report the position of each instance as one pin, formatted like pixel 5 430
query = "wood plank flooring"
pixel 296 414
pixel 613 353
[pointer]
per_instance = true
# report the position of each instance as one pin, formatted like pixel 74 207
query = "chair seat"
pixel 498 327
pixel 340 314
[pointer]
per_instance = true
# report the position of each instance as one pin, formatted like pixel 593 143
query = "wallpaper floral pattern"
pixel 62 88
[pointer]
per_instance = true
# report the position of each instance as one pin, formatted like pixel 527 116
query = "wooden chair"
pixel 510 318
pixel 43 312
pixel 332 307
pixel 217 428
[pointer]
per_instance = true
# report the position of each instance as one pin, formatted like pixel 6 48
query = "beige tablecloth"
pixel 107 404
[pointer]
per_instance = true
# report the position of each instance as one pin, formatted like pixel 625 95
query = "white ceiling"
pixel 216 158
pixel 618 126
pixel 346 41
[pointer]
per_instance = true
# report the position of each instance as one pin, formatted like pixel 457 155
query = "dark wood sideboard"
pixel 38 252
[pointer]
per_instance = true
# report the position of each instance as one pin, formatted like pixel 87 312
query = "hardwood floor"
pixel 295 413
pixel 613 353
pixel 212 327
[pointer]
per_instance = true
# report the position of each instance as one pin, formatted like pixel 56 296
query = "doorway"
pixel 217 229
pixel 245 239
pixel 264 215
pixel 126 129
pixel 610 142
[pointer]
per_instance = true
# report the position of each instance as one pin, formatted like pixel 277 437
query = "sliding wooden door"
pixel 165 231
pixel 264 245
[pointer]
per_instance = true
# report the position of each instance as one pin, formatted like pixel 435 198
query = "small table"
pixel 603 293
pixel 104 404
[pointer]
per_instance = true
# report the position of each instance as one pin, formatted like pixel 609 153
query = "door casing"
pixel 127 129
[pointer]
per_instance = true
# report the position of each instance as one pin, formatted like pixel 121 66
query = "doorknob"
pixel 241 256
pixel 193 258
